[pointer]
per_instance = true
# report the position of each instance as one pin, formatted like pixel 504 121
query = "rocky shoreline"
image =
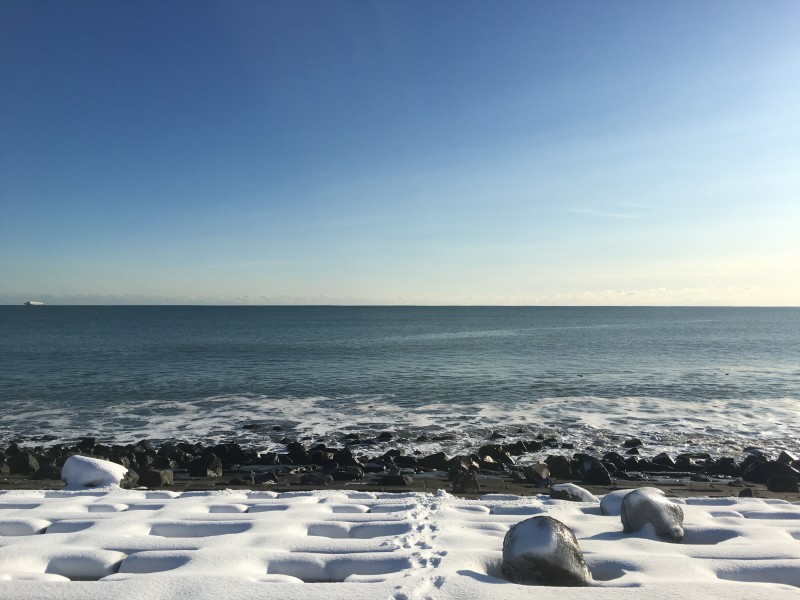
pixel 355 463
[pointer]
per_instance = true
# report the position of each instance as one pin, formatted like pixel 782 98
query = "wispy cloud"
pixel 602 213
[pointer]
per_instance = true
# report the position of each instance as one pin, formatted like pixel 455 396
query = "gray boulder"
pixel 543 551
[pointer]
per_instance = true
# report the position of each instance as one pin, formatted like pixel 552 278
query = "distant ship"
pixel 34 303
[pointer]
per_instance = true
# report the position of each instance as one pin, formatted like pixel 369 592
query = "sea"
pixel 721 380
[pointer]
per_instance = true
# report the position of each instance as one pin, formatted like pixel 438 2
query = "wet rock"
pixel 615 459
pixel 560 466
pixel 268 477
pixel 538 474
pixel 346 458
pixel 649 506
pixel 543 551
pixel 316 479
pixel 248 478
pixel 385 436
pixel 466 483
pixel 593 472
pixel 86 445
pixel 395 478
pixel 725 466
pixel 759 472
pixel 664 459
pixel 163 462
pixel 156 478
pixel 22 463
pixel 783 483
pixel 48 471
pixel 348 473
pixel 436 462
pixel 208 465
pixel 787 458
pixel 405 462
pixel 297 453
pixel 746 493
pixel 633 443
pixel 497 453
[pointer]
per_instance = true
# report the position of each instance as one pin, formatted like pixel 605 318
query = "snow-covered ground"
pixel 112 543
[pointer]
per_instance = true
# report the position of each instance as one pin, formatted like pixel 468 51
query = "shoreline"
pixel 521 469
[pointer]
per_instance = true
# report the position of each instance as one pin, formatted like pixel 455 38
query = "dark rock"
pixel 348 473
pixel 551 442
pixel 787 458
pixel 497 453
pixel 560 466
pixel 4 468
pixel 517 448
pixel 700 478
pixel 593 472
pixel 145 446
pixel 248 478
pixel 267 477
pixel 320 457
pixel 163 462
pixel 487 463
pixel 496 435
pixel 538 474
pixel 460 465
pixel 632 452
pixel 384 436
pixel 663 459
pixel 436 462
pixel 345 458
pixel 783 483
pixel 725 466
pixel 567 445
pixel 405 462
pixel 297 453
pixel 208 465
pixel 466 483
pixel 12 449
pixel 746 493
pixel 759 472
pixel 556 559
pixel 251 426
pixel 87 445
pixel 47 472
pixel 395 478
pixel 155 478
pixel 22 463
pixel 316 479
pixel 615 459
pixel 533 445
pixel 633 443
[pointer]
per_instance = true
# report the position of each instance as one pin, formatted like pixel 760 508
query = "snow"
pixel 85 471
pixel 135 544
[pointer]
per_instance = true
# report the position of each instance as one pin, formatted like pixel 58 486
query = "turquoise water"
pixel 722 375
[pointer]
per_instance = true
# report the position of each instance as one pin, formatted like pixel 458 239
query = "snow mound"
pixel 86 472
pixel 361 545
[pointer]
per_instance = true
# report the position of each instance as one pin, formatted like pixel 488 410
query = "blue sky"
pixel 400 152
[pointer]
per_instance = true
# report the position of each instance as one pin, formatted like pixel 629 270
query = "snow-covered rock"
pixel 543 551
pixel 85 471
pixel 650 506
pixel 572 492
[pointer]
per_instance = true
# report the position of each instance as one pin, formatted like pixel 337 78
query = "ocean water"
pixel 719 379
